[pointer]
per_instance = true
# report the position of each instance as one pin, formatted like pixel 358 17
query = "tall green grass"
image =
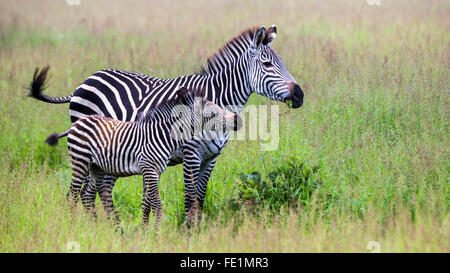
pixel 375 119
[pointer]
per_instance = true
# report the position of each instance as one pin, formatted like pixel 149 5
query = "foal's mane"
pixel 184 96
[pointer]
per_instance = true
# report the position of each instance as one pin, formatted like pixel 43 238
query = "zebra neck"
pixel 229 87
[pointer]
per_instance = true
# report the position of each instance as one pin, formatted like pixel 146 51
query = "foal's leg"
pixel 191 167
pixel 88 194
pixel 80 172
pixel 105 191
pixel 150 197
pixel 206 169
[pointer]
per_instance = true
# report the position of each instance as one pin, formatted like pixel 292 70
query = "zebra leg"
pixel 191 167
pixel 80 172
pixel 202 183
pixel 150 197
pixel 105 191
pixel 88 194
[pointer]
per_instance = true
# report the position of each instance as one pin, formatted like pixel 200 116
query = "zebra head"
pixel 210 117
pixel 215 118
pixel 205 116
pixel 268 75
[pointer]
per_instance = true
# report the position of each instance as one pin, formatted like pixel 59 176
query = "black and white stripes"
pixel 245 64
pixel 99 145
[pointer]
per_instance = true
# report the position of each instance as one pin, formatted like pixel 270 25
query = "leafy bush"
pixel 287 186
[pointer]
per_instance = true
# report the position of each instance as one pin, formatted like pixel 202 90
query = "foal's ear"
pixel 182 92
pixel 259 37
pixel 270 36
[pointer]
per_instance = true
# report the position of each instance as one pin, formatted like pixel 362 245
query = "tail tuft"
pixel 38 83
pixel 52 139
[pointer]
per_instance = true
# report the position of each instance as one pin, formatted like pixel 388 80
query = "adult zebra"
pixel 244 65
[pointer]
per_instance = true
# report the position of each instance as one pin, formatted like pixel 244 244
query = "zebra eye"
pixel 267 64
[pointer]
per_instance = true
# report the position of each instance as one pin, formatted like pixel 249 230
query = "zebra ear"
pixel 182 92
pixel 259 37
pixel 270 36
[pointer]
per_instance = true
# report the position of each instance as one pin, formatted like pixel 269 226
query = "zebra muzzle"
pixel 237 124
pixel 296 95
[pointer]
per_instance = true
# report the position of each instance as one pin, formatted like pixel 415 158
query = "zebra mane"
pixel 184 96
pixel 240 43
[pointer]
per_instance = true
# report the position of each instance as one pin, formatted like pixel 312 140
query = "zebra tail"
pixel 38 84
pixel 53 138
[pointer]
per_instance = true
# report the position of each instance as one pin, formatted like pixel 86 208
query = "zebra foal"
pixel 101 146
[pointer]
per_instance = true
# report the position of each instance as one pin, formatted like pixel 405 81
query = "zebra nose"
pixel 237 122
pixel 297 95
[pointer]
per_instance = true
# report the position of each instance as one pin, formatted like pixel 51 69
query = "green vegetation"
pixel 375 119
pixel 288 185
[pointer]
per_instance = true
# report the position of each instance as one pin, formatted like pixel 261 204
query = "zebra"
pixel 246 64
pixel 101 145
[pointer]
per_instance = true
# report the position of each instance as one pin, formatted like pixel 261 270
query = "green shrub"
pixel 287 186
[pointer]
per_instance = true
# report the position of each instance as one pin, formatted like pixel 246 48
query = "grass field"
pixel 375 118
